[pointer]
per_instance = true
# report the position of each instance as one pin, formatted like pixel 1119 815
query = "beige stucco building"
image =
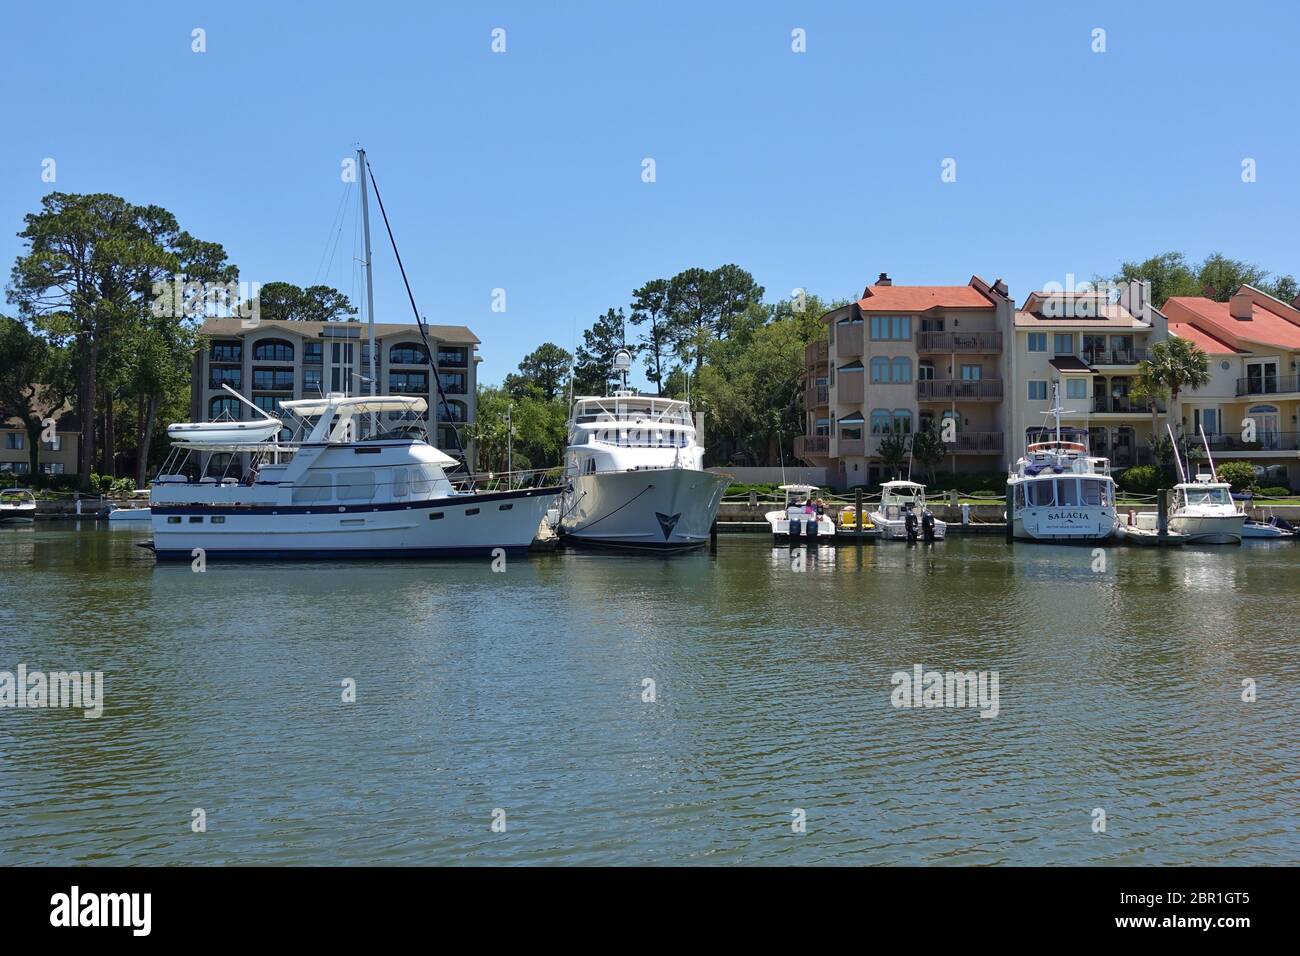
pixel 58 457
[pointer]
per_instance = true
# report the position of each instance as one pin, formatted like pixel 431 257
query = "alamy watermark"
pixel 179 297
pixel 34 689
pixel 922 688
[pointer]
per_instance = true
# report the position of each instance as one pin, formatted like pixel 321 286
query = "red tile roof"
pixel 1265 326
pixel 1202 340
pixel 922 298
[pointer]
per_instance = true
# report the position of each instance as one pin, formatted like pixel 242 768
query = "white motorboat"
pixel 17 506
pixel 799 519
pixel 331 496
pixel 903 515
pixel 634 474
pixel 1272 528
pixel 120 515
pixel 1202 511
pixel 1056 492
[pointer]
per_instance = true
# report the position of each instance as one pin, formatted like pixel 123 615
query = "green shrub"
pixel 1140 479
pixel 1239 474
pixel 123 487
pixel 1276 491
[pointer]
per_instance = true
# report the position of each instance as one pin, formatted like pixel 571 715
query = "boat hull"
pixel 1064 525
pixel 1209 529
pixel 895 529
pixel 457 526
pixel 661 509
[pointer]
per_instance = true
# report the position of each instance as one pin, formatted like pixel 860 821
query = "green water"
pixel 522 691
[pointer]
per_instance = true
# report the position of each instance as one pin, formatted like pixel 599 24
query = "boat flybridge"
pixel 332 494
pixel 903 513
pixel 1057 491
pixel 634 473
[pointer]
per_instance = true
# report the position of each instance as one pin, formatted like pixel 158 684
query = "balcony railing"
pixel 1113 356
pixel 848 340
pixel 957 389
pixel 975 442
pixel 817 353
pixel 1126 457
pixel 1268 385
pixel 818 395
pixel 1110 405
pixel 806 446
pixel 849 389
pixel 974 341
pixel 851 446
pixel 1264 441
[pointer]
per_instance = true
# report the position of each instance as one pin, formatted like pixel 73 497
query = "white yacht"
pixel 903 514
pixel 797 519
pixel 1202 511
pixel 634 474
pixel 1057 492
pixel 334 496
pixel 17 506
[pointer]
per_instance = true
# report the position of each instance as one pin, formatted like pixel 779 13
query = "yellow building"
pixel 57 457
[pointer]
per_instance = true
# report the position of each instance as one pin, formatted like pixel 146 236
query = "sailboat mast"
pixel 370 281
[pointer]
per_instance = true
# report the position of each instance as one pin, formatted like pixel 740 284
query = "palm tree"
pixel 1173 366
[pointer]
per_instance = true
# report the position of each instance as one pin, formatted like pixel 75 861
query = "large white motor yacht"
pixel 635 475
pixel 333 496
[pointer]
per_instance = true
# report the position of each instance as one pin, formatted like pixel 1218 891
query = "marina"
pixel 523 690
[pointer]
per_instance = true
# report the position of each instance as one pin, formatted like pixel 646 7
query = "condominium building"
pixel 899 359
pixel 1086 348
pixel 1250 409
pixel 274 361
pixel 57 457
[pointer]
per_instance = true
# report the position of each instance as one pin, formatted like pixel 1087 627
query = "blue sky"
pixel 522 170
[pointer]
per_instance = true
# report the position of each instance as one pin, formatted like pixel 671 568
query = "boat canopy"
pixel 357 404
pixel 901 484
pixel 798 488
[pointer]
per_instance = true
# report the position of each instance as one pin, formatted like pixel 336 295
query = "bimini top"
pixel 801 488
pixel 359 404
pixel 895 485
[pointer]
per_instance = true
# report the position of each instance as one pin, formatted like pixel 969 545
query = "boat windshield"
pixel 1208 496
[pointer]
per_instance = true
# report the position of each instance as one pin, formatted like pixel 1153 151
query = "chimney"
pixel 1240 307
pixel 884 279
pixel 1001 289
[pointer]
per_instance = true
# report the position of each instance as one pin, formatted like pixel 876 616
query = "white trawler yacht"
pixel 344 491
pixel 1056 492
pixel 334 496
pixel 634 474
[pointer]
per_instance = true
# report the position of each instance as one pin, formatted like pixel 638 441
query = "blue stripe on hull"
pixel 338 554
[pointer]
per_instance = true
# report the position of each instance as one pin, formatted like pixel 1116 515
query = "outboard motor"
pixel 796 527
pixel 927 525
pixel 812 527
pixel 909 523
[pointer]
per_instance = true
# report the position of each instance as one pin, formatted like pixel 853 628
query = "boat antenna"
pixel 419 320
pixel 1182 475
pixel 781 451
pixel 1214 474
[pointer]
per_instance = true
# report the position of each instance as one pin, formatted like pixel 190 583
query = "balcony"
pixel 1103 404
pixel 817 353
pixel 977 443
pixel 1113 356
pixel 851 446
pixel 959 390
pixel 1127 457
pixel 848 341
pixel 849 390
pixel 817 396
pixel 1268 385
pixel 977 341
pixel 812 446
pixel 1266 442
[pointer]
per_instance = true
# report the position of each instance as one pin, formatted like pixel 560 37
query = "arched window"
pixel 901 369
pixel 879 369
pixel 451 411
pixel 408 353
pixel 902 421
pixel 224 405
pixel 882 421
pixel 272 350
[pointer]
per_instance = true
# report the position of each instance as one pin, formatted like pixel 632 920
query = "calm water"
pixel 523 691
